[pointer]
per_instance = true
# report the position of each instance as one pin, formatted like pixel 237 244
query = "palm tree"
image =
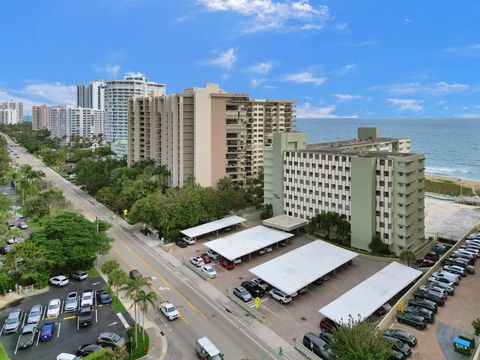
pixel 117 278
pixel 109 265
pixel 408 257
pixel 145 299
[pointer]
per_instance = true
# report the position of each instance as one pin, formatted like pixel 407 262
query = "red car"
pixel 327 325
pixel 227 264
pixel 432 256
pixel 206 259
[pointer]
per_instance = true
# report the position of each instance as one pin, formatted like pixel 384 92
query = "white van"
pixel 65 356
pixel 205 350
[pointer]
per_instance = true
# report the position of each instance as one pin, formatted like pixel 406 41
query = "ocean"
pixel 451 146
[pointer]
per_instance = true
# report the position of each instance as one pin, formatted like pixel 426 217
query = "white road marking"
pixel 163 288
pixel 16 347
pixel 1 331
pixel 24 318
pixel 122 319
pixel 38 338
pixel 114 323
pixel 96 283
pixel 96 316
pixel 59 327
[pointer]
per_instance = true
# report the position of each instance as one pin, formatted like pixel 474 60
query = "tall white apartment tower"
pixel 11 112
pixel 91 96
pixel 117 94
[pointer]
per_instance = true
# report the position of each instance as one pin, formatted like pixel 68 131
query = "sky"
pixel 369 58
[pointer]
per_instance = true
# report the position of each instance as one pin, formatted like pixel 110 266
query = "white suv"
pixel 213 254
pixel 87 298
pixel 280 296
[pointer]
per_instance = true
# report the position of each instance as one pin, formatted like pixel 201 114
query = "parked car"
pixel 268 249
pixel 425 303
pixel 53 309
pixel 449 276
pixel 396 355
pixel 261 252
pixel 47 330
pixel 455 270
pixel 441 280
pixel 283 243
pixel 5 249
pixel 463 270
pixel 425 294
pixel 197 261
pixel 432 256
pixel 169 310
pixel 188 240
pixel 80 275
pixel 242 293
pixel 22 225
pixel 316 345
pixel 104 297
pixel 71 304
pixel 435 289
pixel 449 289
pixel 87 349
pixel 424 263
pixel 439 249
pixel 85 316
pixel 206 259
pixel 328 325
pixel 15 241
pixel 135 274
pixel 398 345
pixel 382 310
pixel 12 323
pixel 227 264
pixel 59 281
pixel 213 254
pixel 416 321
pixel 27 337
pixel 181 243
pixel 253 289
pixel 35 314
pixel 108 338
pixel 87 298
pixel 280 296
pixel 264 285
pixel 404 336
pixel 427 314
pixel 209 271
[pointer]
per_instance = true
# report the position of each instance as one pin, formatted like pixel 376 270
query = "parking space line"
pixel 38 338
pixel 62 306
pixel 122 319
pixel 69 317
pixel 96 315
pixel 59 327
pixel 78 323
pixel 24 319
pixel 44 313
pixel 1 331
pixel 16 347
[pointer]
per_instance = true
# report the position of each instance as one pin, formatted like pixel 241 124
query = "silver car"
pixel 35 314
pixel 71 304
pixel 13 321
pixel 242 293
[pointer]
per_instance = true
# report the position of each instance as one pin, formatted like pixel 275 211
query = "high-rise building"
pixel 57 118
pixel 40 117
pixel 374 183
pixel 91 96
pixel 117 94
pixel 205 133
pixel 82 96
pixel 11 112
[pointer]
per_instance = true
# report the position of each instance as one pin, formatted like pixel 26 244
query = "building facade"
pixel 205 133
pixel 40 118
pixel 376 187
pixel 116 96
pixel 11 112
pixel 91 96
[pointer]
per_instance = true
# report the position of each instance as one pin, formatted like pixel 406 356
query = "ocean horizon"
pixel 451 146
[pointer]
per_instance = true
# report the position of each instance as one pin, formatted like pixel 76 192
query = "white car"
pixel 79 275
pixel 213 254
pixel 22 225
pixel 197 261
pixel 268 249
pixel 189 240
pixel 280 296
pixel 447 275
pixel 65 356
pixel 15 241
pixel 59 281
pixel 169 310
pixel 71 304
pixel 87 298
pixel 264 285
pixel 209 271
pixel 53 309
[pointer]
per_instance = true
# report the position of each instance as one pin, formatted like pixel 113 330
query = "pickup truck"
pixel 206 350
pixel 85 316
pixel 26 338
pixel 87 298
pixel 169 310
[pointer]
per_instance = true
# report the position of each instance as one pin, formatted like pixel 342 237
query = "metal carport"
pixel 213 226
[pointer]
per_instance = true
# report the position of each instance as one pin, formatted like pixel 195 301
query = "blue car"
pixel 46 333
pixel 103 297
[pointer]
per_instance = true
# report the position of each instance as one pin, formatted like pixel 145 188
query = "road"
pixel 201 315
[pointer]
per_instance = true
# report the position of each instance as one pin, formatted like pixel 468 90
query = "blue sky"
pixel 335 58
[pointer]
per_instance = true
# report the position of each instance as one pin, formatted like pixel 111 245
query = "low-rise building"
pixel 374 183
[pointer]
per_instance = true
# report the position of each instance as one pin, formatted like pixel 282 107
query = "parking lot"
pixel 67 335
pixel 301 315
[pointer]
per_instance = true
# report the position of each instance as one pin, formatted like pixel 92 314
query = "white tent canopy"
pixel 246 242
pixel 300 267
pixel 362 301
pixel 213 226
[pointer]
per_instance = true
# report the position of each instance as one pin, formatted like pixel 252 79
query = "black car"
pixel 416 321
pixel 427 314
pixel 398 345
pixel 424 303
pixel 181 243
pixel 407 338
pixel 254 289
pixel 325 336
pixel 85 316
pixel 425 294
pixel 87 349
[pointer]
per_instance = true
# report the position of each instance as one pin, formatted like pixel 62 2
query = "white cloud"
pixel 225 59
pixel 366 43
pixel 413 105
pixel 109 69
pixel 307 111
pixel 274 15
pixel 407 20
pixel 257 82
pixel 464 51
pixel 347 97
pixel 344 70
pixel 305 78
pixel 435 89
pixel 262 68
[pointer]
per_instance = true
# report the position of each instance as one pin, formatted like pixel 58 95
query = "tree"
pixel 109 266
pixel 71 241
pixel 476 326
pixel 358 340
pixel 267 211
pixel 117 278
pixel 45 203
pixel 145 299
pixel 377 246
pixel 408 257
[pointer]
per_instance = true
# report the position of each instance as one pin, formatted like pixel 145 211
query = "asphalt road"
pixel 201 315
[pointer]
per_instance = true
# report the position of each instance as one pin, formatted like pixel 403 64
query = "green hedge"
pixel 98 355
pixel 141 349
pixel 447 188
pixel 3 352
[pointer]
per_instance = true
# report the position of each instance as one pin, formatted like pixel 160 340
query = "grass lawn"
pixel 117 305
pixel 142 346
pixel 3 352
pixel 447 187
